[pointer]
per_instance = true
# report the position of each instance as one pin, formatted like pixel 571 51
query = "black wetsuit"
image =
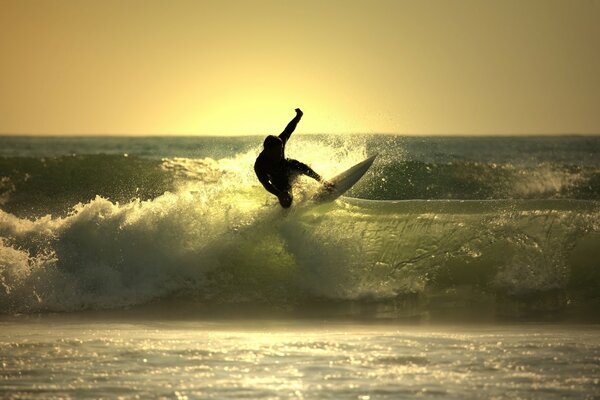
pixel 277 176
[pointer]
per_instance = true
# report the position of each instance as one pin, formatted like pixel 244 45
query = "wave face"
pixel 107 231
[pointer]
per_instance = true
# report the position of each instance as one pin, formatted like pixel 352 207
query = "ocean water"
pixel 469 264
pixel 69 358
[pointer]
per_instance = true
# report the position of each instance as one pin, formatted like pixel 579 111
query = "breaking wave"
pixel 96 232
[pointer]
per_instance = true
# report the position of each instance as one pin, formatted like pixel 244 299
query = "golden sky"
pixel 354 66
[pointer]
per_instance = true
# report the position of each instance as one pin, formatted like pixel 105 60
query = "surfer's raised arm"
pixel 287 132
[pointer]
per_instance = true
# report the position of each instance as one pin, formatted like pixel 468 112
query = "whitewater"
pixel 456 265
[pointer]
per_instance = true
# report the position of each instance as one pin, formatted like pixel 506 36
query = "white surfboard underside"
pixel 344 181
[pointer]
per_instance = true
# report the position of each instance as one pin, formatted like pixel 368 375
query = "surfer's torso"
pixel 280 173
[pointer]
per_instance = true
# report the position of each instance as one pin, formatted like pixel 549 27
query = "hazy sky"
pixel 241 67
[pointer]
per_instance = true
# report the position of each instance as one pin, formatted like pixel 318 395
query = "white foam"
pixel 543 181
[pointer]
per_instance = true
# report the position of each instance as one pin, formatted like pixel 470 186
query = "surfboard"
pixel 344 181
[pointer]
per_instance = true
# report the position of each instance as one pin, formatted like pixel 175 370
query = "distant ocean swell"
pixel 478 180
pixel 202 231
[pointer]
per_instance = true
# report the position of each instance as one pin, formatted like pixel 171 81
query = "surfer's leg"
pixel 286 200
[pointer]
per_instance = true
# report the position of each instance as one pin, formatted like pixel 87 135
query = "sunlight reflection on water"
pixel 78 359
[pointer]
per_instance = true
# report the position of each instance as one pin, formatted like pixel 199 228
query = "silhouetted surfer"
pixel 277 173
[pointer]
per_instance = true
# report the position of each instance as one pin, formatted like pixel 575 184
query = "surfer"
pixel 277 173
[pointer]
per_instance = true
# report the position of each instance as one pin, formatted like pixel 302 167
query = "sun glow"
pixel 261 112
pixel 233 67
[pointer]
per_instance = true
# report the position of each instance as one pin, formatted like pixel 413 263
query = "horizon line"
pixel 450 134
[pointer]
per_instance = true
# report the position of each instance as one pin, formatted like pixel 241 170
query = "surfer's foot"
pixel 328 186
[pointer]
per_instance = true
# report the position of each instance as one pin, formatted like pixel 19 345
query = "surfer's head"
pixel 273 146
pixel 272 142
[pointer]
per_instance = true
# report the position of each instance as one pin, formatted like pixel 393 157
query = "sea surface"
pixel 59 357
pixel 458 267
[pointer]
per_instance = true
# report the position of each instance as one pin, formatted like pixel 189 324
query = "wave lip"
pixel 467 180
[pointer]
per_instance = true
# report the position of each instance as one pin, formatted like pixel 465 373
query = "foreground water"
pixel 73 357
